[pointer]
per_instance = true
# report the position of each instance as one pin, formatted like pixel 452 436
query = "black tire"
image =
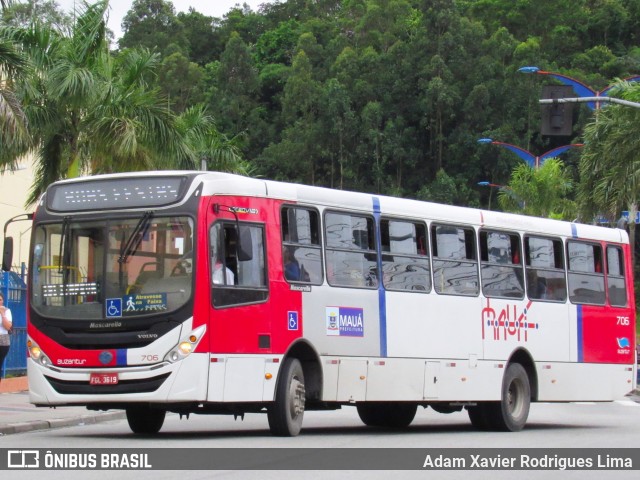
pixel 145 420
pixel 370 414
pixel 511 412
pixel 444 408
pixel 388 415
pixel 478 416
pixel 285 414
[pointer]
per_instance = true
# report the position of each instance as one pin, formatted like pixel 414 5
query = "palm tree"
pixel 13 123
pixel 90 112
pixel 216 149
pixel 610 161
pixel 541 192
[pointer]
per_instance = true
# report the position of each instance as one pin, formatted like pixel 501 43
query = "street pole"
pixel 589 96
pixel 589 99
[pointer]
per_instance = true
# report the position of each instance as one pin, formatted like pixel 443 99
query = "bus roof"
pixel 218 183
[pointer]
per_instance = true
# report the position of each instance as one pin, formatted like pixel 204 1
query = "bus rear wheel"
pixel 389 415
pixel 285 414
pixel 145 420
pixel 511 412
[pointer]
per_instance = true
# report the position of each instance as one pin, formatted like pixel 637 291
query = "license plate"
pixel 103 379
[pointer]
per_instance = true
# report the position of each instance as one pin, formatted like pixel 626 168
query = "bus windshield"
pixel 115 268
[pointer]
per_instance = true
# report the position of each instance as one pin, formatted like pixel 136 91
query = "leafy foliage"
pixel 88 111
pixel 541 192
pixel 386 96
pixel 610 165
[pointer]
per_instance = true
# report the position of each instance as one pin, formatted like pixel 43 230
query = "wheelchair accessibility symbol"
pixel 114 307
pixel 293 320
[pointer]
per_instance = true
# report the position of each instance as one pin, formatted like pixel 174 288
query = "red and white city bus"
pixel 211 293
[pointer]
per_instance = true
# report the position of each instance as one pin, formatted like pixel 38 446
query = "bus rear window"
pixel 616 284
pixel 585 273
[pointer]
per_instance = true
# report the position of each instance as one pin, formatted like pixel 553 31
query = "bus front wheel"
pixel 145 420
pixel 285 414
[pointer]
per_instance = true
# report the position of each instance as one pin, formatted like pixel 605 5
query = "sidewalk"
pixel 17 415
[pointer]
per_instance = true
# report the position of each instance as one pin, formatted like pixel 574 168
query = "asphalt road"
pixel 582 425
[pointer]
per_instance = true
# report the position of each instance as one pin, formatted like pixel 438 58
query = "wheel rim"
pixel 296 398
pixel 515 398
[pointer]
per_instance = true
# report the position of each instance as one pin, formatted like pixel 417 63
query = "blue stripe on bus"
pixel 574 230
pixel 121 357
pixel 580 342
pixel 382 298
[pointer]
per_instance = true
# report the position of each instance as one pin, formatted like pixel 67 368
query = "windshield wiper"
pixel 134 240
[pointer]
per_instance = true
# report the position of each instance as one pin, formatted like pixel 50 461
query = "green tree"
pixel 443 189
pixel 440 96
pixel 339 120
pixel 300 109
pixel 449 190
pixel 610 161
pixel 181 81
pixel 14 138
pixel 44 11
pixel 204 42
pixel 91 113
pixel 218 151
pixel 541 192
pixel 153 24
pixel 372 123
pixel 278 45
pixel 237 86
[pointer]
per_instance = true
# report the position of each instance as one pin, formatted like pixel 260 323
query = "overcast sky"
pixel 212 8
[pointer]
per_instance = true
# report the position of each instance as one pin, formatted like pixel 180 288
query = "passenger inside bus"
pixel 184 266
pixel 222 275
pixel 291 266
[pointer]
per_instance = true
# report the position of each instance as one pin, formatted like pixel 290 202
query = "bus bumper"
pixel 183 381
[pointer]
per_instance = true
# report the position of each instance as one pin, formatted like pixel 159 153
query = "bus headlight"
pixel 187 344
pixel 185 348
pixel 37 354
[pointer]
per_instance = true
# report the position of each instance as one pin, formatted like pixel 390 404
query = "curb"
pixel 22 427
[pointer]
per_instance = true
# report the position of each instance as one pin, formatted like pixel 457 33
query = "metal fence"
pixel 14 288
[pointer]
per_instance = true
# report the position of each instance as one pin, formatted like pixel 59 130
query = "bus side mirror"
pixel 245 244
pixel 7 251
pixel 7 254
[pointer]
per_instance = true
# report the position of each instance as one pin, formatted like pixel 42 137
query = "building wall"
pixel 14 190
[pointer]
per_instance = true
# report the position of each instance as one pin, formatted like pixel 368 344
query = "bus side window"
pixel 455 264
pixel 301 249
pixel 405 264
pixel 545 274
pixel 237 280
pixel 616 283
pixel 350 250
pixel 501 271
